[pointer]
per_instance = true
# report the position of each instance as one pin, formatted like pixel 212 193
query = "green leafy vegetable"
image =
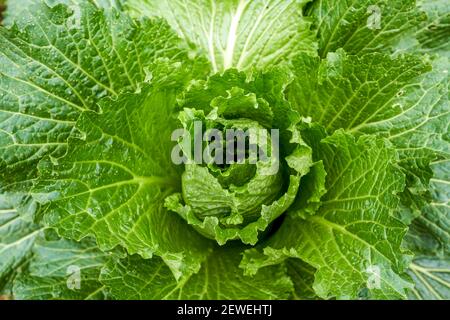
pixel 238 34
pixel 112 184
pixel 18 233
pixel 395 98
pixel 432 277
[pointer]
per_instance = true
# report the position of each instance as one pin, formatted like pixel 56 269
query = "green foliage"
pixel 354 95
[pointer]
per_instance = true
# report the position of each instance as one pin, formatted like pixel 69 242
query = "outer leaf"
pixel 431 230
pixel 376 94
pixel 62 270
pixel 17 10
pixel 431 36
pixel 2 9
pixel 219 278
pixel 351 92
pixel 353 237
pixel 237 33
pixel 312 188
pixel 302 275
pixel 113 184
pixel 420 116
pixel 241 201
pixel 363 26
pixel 432 278
pixel 61 64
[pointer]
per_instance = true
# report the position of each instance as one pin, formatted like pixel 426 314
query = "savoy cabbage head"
pixel 100 198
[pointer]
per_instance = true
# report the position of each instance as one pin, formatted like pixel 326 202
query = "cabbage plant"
pixel 108 190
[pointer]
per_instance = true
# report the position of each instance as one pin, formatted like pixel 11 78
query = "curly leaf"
pixel 431 276
pixel 430 231
pixel 62 269
pixel 363 26
pixel 113 183
pixel 353 241
pixel 302 276
pixel 18 232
